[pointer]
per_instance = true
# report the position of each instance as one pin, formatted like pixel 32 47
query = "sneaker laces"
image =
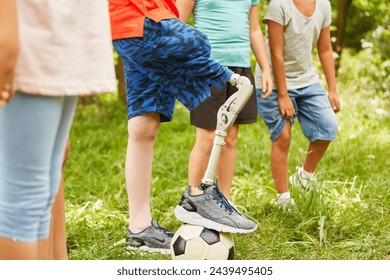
pixel 221 200
pixel 157 226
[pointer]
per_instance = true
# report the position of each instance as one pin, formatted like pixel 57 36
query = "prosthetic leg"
pixel 227 114
pixel 211 209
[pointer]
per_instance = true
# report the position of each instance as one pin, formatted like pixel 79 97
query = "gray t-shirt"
pixel 300 38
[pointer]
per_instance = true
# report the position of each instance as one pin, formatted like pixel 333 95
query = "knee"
pixel 146 132
pixel 231 141
pixel 283 141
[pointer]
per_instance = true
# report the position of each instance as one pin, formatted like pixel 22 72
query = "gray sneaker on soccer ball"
pixel 154 238
pixel 212 210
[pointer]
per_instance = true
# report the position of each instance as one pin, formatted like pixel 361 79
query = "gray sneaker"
pixel 212 210
pixel 152 239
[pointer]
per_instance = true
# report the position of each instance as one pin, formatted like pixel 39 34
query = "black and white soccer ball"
pixel 191 242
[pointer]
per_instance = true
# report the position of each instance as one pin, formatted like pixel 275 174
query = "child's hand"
pixel 334 101
pixel 286 106
pixel 5 94
pixel 267 84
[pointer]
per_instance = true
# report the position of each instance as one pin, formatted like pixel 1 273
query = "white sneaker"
pixel 299 179
pixel 284 200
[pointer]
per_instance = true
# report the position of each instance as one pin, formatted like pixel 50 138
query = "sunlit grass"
pixel 345 216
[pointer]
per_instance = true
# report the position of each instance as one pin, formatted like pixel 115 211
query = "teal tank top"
pixel 226 23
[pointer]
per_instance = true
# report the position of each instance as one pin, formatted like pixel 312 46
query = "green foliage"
pixel 363 18
pixel 368 71
pixel 363 21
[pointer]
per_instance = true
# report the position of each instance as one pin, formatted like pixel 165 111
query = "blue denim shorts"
pixel 312 107
pixel 170 62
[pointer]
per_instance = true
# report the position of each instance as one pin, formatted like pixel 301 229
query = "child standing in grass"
pixel 63 54
pixel 295 28
pixel 233 29
pixel 165 60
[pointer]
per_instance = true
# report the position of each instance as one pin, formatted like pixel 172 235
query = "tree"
pixel 339 29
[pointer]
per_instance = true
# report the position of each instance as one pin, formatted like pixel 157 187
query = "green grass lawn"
pixel 345 217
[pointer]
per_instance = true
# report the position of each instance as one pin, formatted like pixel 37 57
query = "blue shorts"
pixel 171 61
pixel 312 107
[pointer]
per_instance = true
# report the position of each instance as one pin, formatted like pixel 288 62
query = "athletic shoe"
pixel 152 239
pixel 300 180
pixel 285 203
pixel 212 210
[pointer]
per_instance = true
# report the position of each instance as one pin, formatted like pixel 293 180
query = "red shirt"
pixel 127 16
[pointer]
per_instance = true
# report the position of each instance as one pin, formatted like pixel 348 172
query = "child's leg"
pixel 318 122
pixel 227 161
pixel 199 156
pixel 142 135
pixel 201 153
pixel 279 159
pixel 57 247
pixel 28 176
pixel 204 117
pixel 315 152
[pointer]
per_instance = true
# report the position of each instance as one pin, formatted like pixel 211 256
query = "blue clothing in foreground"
pixel 171 61
pixel 33 134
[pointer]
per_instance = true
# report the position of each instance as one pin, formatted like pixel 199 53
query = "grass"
pixel 345 218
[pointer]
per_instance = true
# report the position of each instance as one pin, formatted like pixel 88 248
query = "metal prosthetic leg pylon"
pixel 227 114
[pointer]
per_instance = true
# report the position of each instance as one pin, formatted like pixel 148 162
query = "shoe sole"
pixel 195 219
pixel 149 250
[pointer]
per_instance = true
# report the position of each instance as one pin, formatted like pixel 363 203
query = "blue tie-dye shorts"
pixel 170 62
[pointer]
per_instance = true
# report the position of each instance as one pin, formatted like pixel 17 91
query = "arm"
pixel 276 41
pixel 9 44
pixel 185 8
pixel 325 54
pixel 258 49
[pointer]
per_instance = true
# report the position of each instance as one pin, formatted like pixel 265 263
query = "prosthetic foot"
pixel 227 114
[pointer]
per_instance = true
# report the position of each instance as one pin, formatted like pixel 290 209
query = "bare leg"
pixel 43 249
pixel 14 250
pixel 279 159
pixel 200 155
pixel 316 151
pixel 227 161
pixel 57 248
pixel 142 135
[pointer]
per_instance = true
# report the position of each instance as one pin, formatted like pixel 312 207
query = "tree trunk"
pixel 338 34
pixel 120 75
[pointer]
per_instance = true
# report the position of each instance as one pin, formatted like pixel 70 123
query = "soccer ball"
pixel 191 242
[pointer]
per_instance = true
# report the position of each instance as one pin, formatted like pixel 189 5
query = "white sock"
pixel 304 174
pixel 283 196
